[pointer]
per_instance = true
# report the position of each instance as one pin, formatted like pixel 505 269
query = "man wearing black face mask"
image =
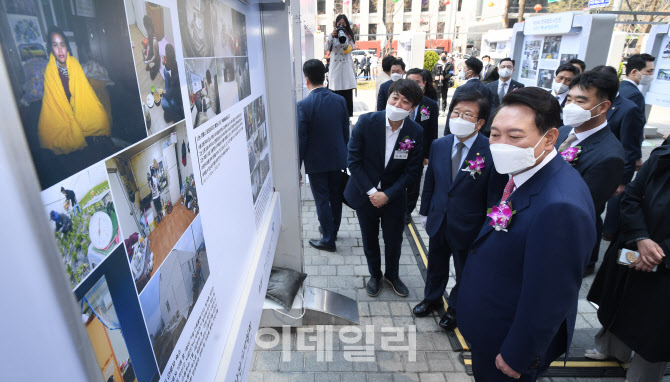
pixel 442 73
pixel 589 145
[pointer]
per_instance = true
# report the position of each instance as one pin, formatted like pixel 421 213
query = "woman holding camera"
pixel 633 299
pixel 342 77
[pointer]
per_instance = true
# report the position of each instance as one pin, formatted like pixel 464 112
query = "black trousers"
pixel 444 91
pixel 611 224
pixel 439 254
pixel 392 218
pixel 326 188
pixel 413 195
pixel 599 233
pixel 485 370
pixel 348 97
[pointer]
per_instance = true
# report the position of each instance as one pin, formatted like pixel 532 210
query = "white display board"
pixel 163 118
pixel 542 55
pixel 497 44
pixel 659 90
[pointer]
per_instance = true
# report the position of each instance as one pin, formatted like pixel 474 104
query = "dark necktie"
pixel 456 160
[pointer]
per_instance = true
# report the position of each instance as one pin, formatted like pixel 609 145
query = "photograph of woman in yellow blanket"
pixel 71 111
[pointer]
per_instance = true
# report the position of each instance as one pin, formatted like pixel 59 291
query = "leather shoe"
pixel 398 287
pixel 425 308
pixel 448 321
pixel 408 219
pixel 589 270
pixel 373 286
pixel 608 237
pixel 321 232
pixel 318 244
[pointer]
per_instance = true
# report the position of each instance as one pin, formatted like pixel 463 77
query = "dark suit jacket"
pixel 519 289
pixel 367 148
pixel 323 131
pixel 630 91
pixel 474 84
pixel 626 121
pixel 429 124
pixel 491 74
pixel 493 87
pixel 600 164
pixel 464 202
pixel 383 96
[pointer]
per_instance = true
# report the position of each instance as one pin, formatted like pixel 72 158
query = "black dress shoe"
pixel 408 219
pixel 373 286
pixel 398 287
pixel 589 270
pixel 425 308
pixel 318 244
pixel 321 232
pixel 448 321
pixel 608 237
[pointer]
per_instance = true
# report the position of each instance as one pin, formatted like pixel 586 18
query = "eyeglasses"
pixel 467 115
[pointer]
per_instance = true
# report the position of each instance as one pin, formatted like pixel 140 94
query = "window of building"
pixel 323 28
pixel 424 26
pixel 460 2
pixel 406 26
pixel 424 5
pixel 372 31
pixel 356 29
pixel 373 6
pixel 440 30
pixel 408 6
pixel 356 6
pixel 321 7
pixel 443 6
pixel 338 7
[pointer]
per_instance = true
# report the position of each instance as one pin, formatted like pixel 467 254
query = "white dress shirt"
pixel 502 83
pixel 522 178
pixel 632 82
pixel 585 134
pixel 391 139
pixel 561 97
pixel 468 145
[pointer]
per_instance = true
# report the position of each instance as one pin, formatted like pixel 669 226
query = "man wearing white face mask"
pixel 639 71
pixel 600 159
pixel 397 72
pixel 385 156
pixel 470 74
pixel 561 84
pixel 454 199
pixel 517 302
pixel 505 83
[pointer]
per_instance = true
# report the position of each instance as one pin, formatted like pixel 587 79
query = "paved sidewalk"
pixel 346 272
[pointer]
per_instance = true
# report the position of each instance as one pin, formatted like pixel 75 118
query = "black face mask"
pixel 444 59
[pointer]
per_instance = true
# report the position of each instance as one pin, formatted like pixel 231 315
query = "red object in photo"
pixel 490 4
pixel 537 7
pixel 447 2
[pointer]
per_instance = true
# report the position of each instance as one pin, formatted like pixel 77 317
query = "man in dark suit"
pixel 639 71
pixel 323 130
pixel 505 83
pixel 426 115
pixel 626 121
pixel 489 72
pixel 470 74
pixel 454 201
pixel 397 72
pixel 561 83
pixel 517 302
pixel 385 154
pixel 581 65
pixel 600 159
pixel 442 73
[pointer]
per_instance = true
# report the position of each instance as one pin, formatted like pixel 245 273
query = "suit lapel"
pixel 589 143
pixel 382 141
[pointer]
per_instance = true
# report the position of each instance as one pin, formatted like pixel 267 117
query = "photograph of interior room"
pixel 150 239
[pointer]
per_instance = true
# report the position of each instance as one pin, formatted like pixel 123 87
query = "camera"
pixel 342 34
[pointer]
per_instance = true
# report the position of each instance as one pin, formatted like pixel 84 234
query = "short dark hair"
pixel 638 61
pixel 474 64
pixel 62 189
pixel 408 89
pixel 507 59
pixel 487 56
pixel 315 71
pixel 606 69
pixel 415 71
pixel 578 62
pixel 387 62
pixel 472 96
pixel 56 30
pixel 567 68
pixel 605 84
pixel 546 107
pixel 398 61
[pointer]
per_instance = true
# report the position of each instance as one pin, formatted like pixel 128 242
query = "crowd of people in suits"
pixel 513 193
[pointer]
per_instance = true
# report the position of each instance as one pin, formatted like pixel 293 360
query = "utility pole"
pixel 522 8
pixel 506 13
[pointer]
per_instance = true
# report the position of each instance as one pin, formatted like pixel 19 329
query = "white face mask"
pixel 646 79
pixel 505 72
pixel 461 128
pixel 396 76
pixel 510 159
pixel 461 75
pixel 575 116
pixel 559 87
pixel 395 113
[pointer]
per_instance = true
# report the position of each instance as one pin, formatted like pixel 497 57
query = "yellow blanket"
pixel 63 126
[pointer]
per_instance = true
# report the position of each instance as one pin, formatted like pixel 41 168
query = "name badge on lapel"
pixel 400 154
